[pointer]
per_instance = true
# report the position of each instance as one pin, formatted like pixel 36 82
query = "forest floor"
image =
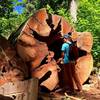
pixel 91 91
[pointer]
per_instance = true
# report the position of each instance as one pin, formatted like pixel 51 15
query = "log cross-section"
pixel 41 34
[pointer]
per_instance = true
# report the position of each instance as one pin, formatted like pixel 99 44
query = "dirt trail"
pixel 90 91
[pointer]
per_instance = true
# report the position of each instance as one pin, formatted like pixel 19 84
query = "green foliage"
pixel 54 4
pixel 89 20
pixel 30 6
pixel 6 6
pixel 9 19
pixel 49 9
pixel 7 26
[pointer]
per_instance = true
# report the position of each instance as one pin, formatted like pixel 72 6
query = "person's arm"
pixel 62 54
pixel 60 59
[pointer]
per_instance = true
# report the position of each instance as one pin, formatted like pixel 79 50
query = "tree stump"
pixel 20 90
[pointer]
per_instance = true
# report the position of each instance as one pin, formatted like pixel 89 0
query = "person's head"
pixel 67 38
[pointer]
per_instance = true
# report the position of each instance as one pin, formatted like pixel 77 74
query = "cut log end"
pixel 44 32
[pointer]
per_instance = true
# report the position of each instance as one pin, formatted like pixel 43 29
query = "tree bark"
pixel 73 6
pixel 12 68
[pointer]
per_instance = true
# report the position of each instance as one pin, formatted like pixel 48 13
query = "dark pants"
pixel 69 77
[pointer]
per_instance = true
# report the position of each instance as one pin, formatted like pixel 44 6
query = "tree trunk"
pixel 73 6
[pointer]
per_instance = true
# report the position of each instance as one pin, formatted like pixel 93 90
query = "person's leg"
pixel 69 77
pixel 76 77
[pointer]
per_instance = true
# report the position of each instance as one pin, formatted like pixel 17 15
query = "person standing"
pixel 70 76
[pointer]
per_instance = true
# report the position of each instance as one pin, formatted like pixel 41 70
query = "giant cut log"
pixel 12 67
pixel 51 69
pixel 84 40
pixel 42 34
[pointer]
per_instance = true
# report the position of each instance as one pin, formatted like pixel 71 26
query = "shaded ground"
pixel 90 91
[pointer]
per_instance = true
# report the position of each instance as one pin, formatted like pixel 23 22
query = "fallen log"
pixel 30 49
pixel 84 40
pixel 12 67
pixel 41 34
pixel 52 80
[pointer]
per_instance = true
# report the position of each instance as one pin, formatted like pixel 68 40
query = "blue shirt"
pixel 65 48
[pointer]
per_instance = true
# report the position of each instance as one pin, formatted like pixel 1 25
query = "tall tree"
pixel 73 6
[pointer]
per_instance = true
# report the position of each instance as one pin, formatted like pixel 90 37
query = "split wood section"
pixel 42 34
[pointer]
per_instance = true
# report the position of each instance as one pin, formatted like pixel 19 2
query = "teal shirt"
pixel 65 48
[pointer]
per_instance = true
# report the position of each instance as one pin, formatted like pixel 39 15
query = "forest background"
pixel 84 15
